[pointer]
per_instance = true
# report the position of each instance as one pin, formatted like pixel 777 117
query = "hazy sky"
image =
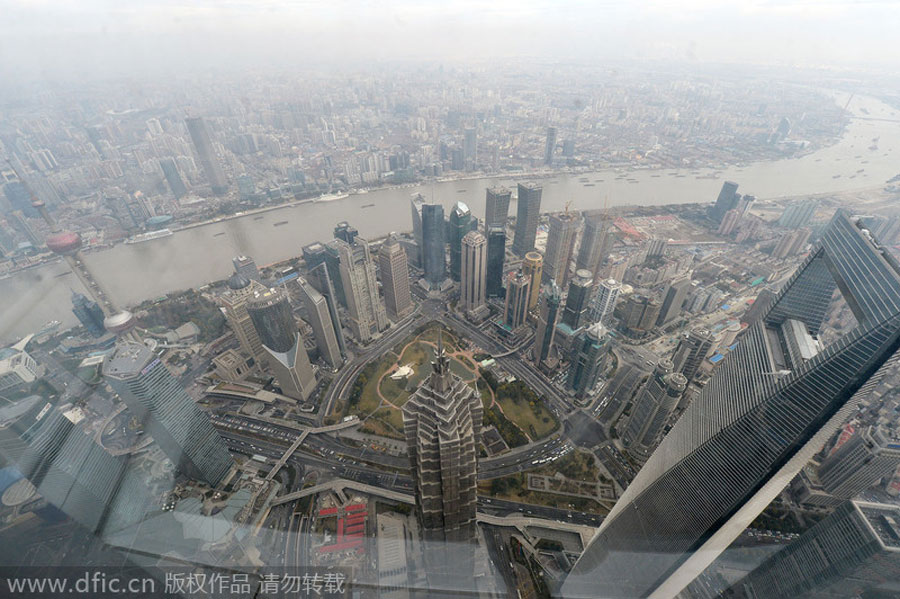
pixel 44 37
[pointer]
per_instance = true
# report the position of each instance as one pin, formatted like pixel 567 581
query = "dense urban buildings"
pixel 441 422
pixel 203 144
pixel 646 545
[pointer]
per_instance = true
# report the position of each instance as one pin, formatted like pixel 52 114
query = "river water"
pixel 195 256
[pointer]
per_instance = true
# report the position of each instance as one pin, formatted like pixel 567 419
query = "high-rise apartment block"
pixel 798 214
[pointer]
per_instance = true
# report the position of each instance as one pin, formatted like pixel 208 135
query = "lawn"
pixel 521 405
pixel 515 488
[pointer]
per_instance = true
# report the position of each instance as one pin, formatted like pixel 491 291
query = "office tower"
pixel 870 455
pixel 496 207
pixel 728 199
pixel 470 146
pixel 473 282
pixel 791 244
pixel 206 153
pixel 416 202
pixel 595 240
pixel 547 318
pixel 550 146
pixel 273 320
pixel 368 316
pixel 156 398
pixel 88 314
pixel 345 232
pixel 528 214
pixel 395 279
pixel 441 422
pixel 322 277
pixel 173 178
pixel 518 289
pixel 496 255
pixel 798 214
pixel 852 553
pixel 673 300
pixel 691 352
pixel 560 245
pixel 604 301
pixel 654 405
pixel 434 262
pixel 19 198
pixel 587 360
pixel 316 254
pixel 47 445
pixel 320 320
pixel 578 300
pixel 756 423
pixel 461 222
pixel 234 301
pixel 532 267
pixel 246 266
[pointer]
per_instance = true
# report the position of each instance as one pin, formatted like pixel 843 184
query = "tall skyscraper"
pixel 473 282
pixel 207 154
pixel 533 267
pixel 547 317
pixel 870 455
pixel 673 300
pixel 368 316
pixel 234 301
pixel 560 245
pixel 441 423
pixel 578 300
pixel 434 261
pixel 496 207
pixel 461 222
pixel 587 359
pixel 416 202
pixel 518 289
pixel 604 301
pixel 654 405
pixel 173 177
pixel 246 266
pixel 528 214
pixel 345 232
pixel 88 314
pixel 851 553
pixel 315 254
pixel 156 398
pixel 47 445
pixel 323 284
pixel 550 146
pixel 496 255
pixel 595 242
pixel 691 352
pixel 728 199
pixel 756 423
pixel 470 146
pixel 274 321
pixel 395 279
pixel 320 320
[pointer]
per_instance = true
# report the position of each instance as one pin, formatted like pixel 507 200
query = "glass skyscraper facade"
pixel 749 432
